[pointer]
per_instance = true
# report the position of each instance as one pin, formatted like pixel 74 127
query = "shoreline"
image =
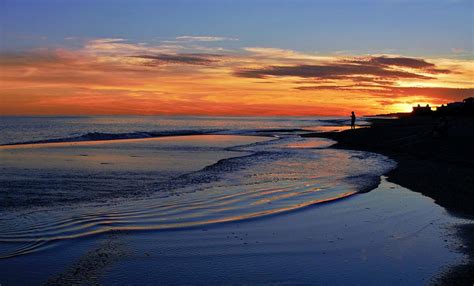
pixel 428 163
pixel 410 240
pixel 409 236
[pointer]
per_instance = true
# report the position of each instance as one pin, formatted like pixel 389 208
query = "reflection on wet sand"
pixel 229 178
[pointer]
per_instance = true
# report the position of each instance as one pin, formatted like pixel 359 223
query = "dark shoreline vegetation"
pixel 437 162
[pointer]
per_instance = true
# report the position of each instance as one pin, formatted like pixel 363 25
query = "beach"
pixel 440 166
pixel 236 142
pixel 253 205
pixel 388 236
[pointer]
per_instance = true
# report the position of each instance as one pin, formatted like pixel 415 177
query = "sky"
pixel 260 57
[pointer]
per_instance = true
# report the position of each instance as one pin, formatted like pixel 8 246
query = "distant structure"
pixel 461 108
pixel 422 110
pixel 466 107
pixel 469 103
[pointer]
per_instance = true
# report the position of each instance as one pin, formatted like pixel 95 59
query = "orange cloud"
pixel 114 76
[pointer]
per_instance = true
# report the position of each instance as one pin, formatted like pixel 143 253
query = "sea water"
pixel 68 177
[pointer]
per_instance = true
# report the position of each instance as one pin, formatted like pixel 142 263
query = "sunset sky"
pixel 233 57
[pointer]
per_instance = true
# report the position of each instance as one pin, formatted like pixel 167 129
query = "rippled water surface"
pixel 57 191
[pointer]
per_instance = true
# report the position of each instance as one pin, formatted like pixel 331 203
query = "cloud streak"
pixel 117 76
pixel 189 59
pixel 401 62
pixel 204 39
pixel 336 70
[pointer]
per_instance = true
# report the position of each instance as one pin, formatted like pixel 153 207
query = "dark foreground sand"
pixel 437 162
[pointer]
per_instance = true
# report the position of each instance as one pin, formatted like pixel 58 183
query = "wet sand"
pixel 258 176
pixel 389 236
pixel 438 165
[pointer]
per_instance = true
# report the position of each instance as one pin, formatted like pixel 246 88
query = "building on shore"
pixel 422 110
pixel 466 107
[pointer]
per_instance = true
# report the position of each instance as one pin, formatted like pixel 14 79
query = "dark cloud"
pixel 405 62
pixel 381 68
pixel 377 76
pixel 402 62
pixel 189 59
pixel 333 71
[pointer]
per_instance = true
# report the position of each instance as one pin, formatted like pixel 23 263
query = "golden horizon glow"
pixel 115 77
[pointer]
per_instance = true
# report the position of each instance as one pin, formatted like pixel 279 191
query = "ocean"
pixel 68 177
pixel 15 129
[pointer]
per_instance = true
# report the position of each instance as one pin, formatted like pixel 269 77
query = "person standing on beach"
pixel 353 120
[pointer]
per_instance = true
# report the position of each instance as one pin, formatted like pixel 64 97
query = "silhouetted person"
pixel 353 120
